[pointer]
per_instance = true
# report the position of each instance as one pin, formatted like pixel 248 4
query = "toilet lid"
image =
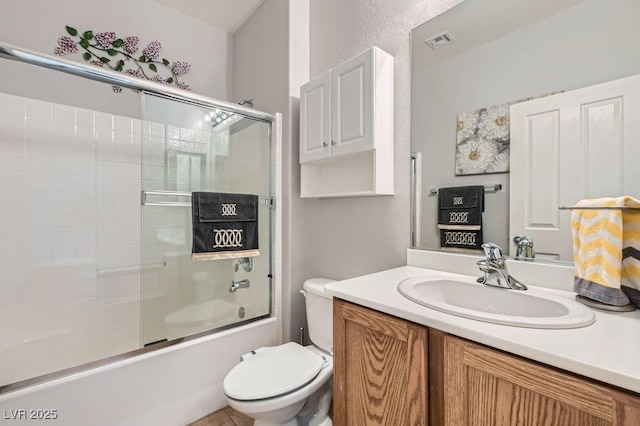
pixel 272 373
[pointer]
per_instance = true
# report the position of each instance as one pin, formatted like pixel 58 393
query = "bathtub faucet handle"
pixel 245 262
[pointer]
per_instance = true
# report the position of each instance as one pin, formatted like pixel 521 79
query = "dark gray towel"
pixel 462 205
pixel 225 226
pixel 460 216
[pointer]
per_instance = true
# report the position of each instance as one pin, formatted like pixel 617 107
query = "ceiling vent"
pixel 440 40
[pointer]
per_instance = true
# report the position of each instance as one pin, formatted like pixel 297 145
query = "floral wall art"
pixel 482 144
pixel 107 50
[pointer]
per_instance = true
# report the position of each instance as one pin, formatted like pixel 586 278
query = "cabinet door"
pixel 315 119
pixel 380 368
pixel 352 105
pixel 483 386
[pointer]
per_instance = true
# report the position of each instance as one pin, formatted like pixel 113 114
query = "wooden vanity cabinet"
pixel 388 371
pixel 380 368
pixel 484 386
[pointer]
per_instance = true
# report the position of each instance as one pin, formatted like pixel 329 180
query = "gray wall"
pixel 261 70
pixel 584 45
pixel 37 25
pixel 355 236
pixel 335 238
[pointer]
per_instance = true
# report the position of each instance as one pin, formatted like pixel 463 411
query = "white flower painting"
pixel 482 141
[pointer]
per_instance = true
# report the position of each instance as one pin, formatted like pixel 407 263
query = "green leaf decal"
pixel 153 67
pixel 170 80
pixel 142 58
pixel 112 52
pixel 166 62
pixel 72 31
pixel 84 43
pixel 87 35
pixel 105 60
pixel 118 43
pixel 120 65
pixel 86 56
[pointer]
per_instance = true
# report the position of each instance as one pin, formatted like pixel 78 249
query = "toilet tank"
pixel 319 313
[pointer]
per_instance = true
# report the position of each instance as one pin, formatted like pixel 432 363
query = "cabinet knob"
pixel 324 144
pixel 333 142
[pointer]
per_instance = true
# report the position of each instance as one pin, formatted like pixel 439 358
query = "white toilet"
pixel 290 384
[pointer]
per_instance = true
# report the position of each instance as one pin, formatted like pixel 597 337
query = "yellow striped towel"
pixel 606 251
pixel 630 275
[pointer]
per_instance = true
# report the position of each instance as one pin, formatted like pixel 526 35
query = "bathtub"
pixel 170 386
pixel 203 316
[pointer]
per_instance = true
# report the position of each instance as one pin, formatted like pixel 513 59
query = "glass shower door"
pixel 188 148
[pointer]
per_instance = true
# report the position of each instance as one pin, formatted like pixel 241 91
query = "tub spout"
pixel 235 285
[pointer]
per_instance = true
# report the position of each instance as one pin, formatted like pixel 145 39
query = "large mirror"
pixel 482 61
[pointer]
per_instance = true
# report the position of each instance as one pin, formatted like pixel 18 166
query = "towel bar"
pixel 487 188
pixel 265 201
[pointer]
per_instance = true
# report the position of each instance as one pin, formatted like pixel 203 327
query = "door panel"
pixel 315 119
pixel 567 147
pixel 352 105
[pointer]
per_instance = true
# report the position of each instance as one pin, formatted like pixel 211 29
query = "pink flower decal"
pixel 65 45
pixel 107 50
pixel 152 50
pixel 131 44
pixel 105 39
pixel 180 67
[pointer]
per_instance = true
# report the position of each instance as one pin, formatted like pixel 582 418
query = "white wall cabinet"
pixel 346 129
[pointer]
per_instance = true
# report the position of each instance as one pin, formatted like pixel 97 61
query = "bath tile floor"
pixel 225 417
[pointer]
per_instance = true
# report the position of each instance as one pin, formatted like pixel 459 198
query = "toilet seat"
pixel 273 372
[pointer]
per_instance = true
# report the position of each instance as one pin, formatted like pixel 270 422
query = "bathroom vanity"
pixel 397 362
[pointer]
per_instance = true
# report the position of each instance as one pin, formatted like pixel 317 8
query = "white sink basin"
pixel 529 308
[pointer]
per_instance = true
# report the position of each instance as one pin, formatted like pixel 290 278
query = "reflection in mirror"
pixel 513 55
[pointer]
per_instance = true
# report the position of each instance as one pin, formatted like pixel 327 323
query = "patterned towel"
pixel 225 226
pixel 606 251
pixel 460 216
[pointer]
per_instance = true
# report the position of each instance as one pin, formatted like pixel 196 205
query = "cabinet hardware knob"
pixel 333 142
pixel 324 144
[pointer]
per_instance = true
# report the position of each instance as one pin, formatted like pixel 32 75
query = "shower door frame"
pixel 14 53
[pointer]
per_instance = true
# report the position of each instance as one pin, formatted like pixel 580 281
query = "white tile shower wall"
pixel 69 236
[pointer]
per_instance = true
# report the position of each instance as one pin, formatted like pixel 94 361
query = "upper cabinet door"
pixel 352 105
pixel 567 147
pixel 315 119
pixel 346 129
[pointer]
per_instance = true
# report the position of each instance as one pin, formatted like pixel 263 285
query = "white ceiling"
pixel 228 15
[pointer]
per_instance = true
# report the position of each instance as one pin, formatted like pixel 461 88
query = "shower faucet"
pixel 245 262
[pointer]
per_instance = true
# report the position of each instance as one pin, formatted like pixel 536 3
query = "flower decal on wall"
pixel 107 50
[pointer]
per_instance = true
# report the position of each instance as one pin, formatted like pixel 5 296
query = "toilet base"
pixel 293 422
pixel 316 409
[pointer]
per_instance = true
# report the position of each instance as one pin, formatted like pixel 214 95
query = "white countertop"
pixel 608 350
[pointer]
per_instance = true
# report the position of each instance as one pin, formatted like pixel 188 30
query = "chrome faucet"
pixel 524 250
pixel 235 285
pixel 495 269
